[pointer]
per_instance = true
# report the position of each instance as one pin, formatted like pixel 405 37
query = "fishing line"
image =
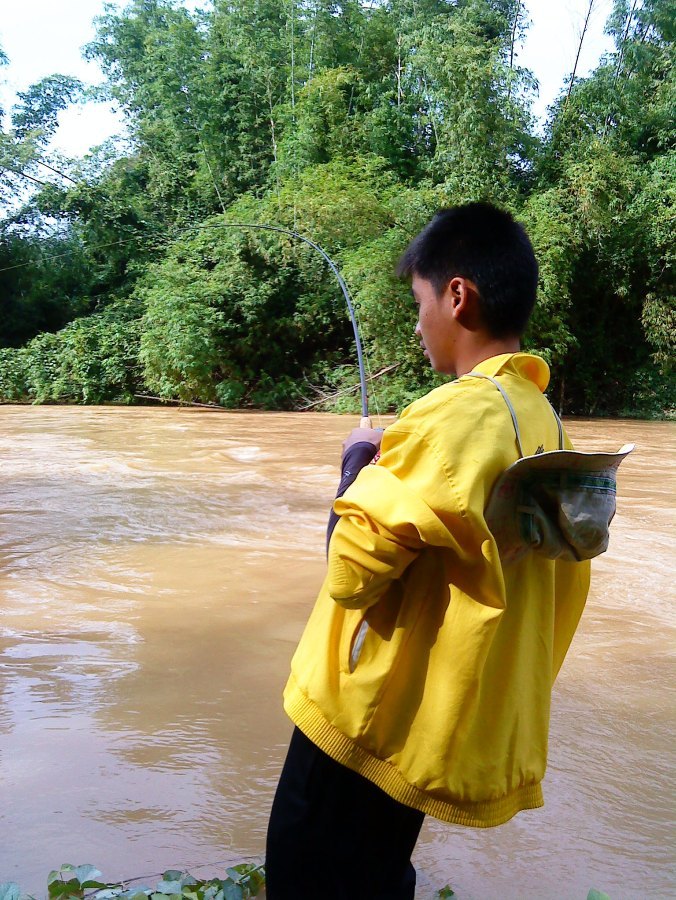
pixel 275 228
pixel 341 282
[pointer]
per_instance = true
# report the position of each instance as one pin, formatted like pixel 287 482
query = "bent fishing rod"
pixel 365 418
pixel 366 421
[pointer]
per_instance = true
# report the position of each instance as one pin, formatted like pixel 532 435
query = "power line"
pixel 24 175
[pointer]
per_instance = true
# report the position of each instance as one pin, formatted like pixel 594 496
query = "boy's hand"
pixel 359 435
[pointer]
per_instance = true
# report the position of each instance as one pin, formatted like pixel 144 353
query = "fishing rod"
pixel 365 419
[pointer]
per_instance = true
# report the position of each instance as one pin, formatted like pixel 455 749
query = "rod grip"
pixel 365 422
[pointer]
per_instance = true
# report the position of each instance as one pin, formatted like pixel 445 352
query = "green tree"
pixel 353 123
pixel 43 284
pixel 238 316
pixel 34 120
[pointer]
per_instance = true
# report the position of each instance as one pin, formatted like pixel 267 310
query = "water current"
pixel 156 569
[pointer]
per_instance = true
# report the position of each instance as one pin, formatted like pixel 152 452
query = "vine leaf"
pixel 9 890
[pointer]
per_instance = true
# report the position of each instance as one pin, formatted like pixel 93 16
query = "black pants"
pixel 336 836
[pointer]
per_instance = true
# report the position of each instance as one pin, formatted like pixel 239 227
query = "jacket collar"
pixel 524 365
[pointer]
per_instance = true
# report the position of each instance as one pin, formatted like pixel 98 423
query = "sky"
pixel 43 37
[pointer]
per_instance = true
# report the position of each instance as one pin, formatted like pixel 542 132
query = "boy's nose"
pixel 417 328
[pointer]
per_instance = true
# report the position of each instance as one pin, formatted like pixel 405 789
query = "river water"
pixel 156 569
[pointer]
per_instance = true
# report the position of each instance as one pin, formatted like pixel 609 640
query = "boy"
pixel 422 682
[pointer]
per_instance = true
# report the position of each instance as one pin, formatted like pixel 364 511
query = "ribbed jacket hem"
pixel 485 814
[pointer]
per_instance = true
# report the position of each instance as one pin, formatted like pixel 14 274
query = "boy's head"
pixel 485 247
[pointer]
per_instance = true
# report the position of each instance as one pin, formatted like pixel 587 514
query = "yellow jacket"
pixel 443 700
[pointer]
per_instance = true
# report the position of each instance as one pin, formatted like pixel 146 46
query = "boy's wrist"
pixel 356 456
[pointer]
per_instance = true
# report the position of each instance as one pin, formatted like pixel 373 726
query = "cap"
pixel 558 504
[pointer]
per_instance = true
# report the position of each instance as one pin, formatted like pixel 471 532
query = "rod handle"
pixel 365 422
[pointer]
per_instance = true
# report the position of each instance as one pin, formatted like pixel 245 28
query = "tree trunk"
pixel 399 94
pixel 312 44
pixel 515 25
pixel 293 68
pixel 579 50
pixel 618 67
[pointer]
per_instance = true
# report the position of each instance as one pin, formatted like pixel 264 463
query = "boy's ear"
pixel 456 293
pixel 463 297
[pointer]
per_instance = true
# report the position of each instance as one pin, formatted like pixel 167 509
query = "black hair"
pixel 485 244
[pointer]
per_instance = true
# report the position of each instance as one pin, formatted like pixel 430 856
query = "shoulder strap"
pixel 513 413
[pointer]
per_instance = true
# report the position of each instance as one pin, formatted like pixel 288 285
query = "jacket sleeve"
pixel 386 518
pixel 354 459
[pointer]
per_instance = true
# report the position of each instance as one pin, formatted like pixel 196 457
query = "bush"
pixel 92 360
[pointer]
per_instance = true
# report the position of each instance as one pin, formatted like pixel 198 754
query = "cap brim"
pixel 576 460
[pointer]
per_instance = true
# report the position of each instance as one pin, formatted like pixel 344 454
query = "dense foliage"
pixel 350 123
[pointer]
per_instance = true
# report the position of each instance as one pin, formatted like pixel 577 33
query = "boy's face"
pixel 436 326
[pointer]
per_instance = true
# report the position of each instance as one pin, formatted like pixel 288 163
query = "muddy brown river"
pixel 156 569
